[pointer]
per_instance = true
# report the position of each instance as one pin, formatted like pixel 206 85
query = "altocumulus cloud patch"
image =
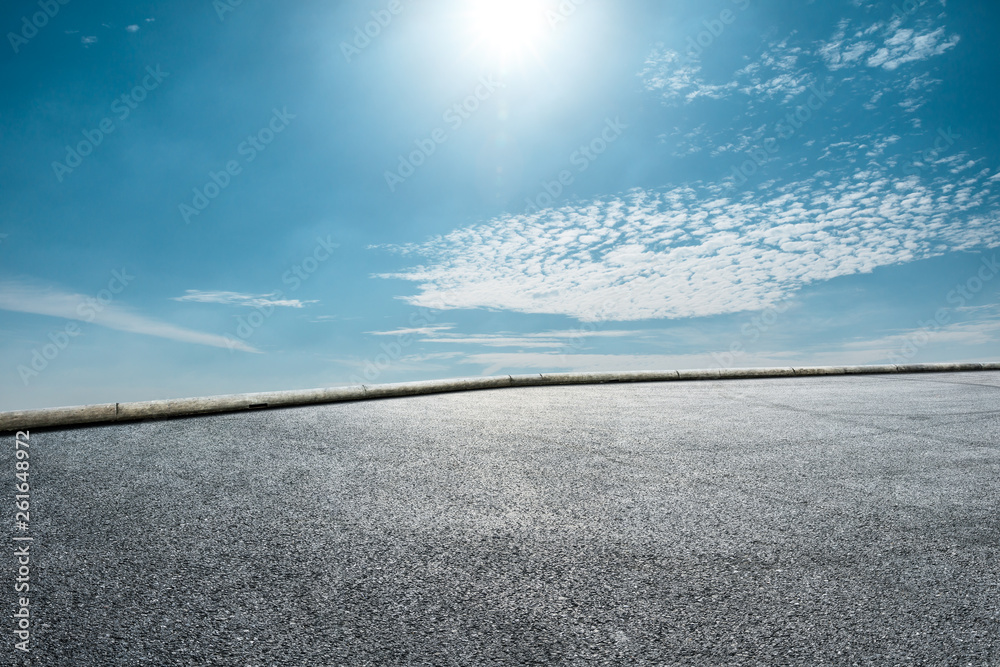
pixel 692 251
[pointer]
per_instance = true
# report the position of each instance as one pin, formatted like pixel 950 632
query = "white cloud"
pixel 922 81
pixel 545 339
pixel 238 299
pixel 840 52
pixel 689 252
pixel 495 362
pixel 668 73
pixel 906 46
pixel 964 334
pixel 911 104
pixel 490 340
pixel 944 343
pixel 898 46
pixel 132 28
pixel 690 142
pixel 879 145
pixel 776 73
pixel 87 41
pixel 784 70
pixel 416 331
pixel 780 72
pixel 596 363
pixel 39 301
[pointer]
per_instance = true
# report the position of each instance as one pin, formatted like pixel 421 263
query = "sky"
pixel 228 196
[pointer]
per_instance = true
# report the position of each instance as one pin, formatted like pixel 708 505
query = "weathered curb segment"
pixel 124 412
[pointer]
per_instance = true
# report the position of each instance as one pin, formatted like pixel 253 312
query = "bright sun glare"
pixel 507 28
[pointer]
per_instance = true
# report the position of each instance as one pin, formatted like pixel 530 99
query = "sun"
pixel 507 29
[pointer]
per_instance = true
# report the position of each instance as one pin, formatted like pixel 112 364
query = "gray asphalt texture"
pixel 790 521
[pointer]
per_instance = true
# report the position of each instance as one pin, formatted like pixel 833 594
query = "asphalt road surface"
pixel 789 521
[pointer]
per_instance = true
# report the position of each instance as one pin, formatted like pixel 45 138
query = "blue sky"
pixel 214 197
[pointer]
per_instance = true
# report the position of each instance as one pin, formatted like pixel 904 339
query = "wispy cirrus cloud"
pixel 415 331
pixel 884 44
pixel 961 334
pixel 778 73
pixel 238 299
pixel 946 343
pixel 675 76
pixel 693 251
pixel 22 298
pixel 886 64
pixel 545 339
pixel 784 70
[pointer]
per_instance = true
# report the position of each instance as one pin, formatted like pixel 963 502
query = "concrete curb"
pixel 124 412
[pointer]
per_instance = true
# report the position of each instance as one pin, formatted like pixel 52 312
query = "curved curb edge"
pixel 184 407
